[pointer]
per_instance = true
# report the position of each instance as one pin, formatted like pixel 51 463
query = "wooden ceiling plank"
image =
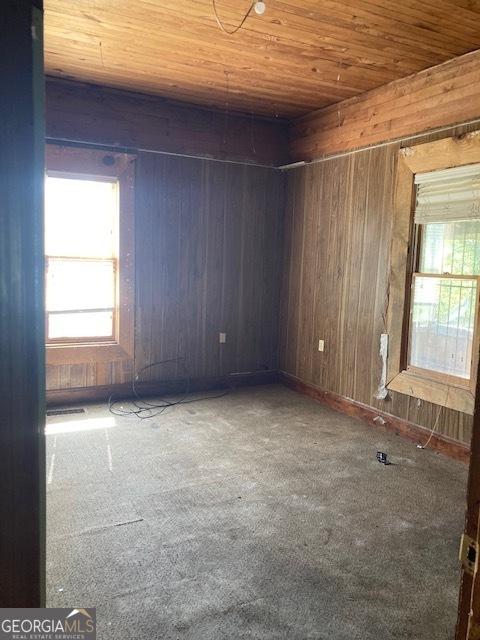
pixel 301 56
pixel 391 23
pixel 214 76
pixel 329 67
pixel 332 88
pixel 444 11
pixel 471 5
pixel 435 20
pixel 319 28
pixel 170 22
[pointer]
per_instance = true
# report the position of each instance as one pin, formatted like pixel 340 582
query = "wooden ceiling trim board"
pixel 446 95
pixel 300 56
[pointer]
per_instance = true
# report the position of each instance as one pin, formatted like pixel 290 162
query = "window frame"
pixel 438 388
pixel 78 340
pixel 100 164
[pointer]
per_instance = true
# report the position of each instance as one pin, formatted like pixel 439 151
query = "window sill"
pixel 85 353
pixel 433 391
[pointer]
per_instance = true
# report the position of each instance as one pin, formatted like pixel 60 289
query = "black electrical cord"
pixel 230 32
pixel 143 409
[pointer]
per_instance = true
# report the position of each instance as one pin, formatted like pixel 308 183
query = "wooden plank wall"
pixel 335 280
pixel 208 253
pixel 77 112
pixel 445 95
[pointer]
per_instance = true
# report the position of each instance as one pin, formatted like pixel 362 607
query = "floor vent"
pixel 64 412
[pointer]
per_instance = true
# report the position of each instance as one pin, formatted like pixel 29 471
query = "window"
pixel 88 255
pixel 81 245
pixel 443 311
pixel 433 313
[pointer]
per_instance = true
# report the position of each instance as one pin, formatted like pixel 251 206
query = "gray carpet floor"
pixel 258 515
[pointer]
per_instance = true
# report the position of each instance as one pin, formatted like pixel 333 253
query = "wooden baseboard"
pixel 79 395
pixel 379 419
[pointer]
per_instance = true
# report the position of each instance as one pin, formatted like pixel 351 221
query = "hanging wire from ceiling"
pixel 227 106
pixel 258 6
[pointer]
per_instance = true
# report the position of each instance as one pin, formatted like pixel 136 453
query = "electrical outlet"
pixel 321 345
pixel 222 338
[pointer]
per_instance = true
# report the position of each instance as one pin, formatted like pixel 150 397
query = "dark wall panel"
pixel 76 112
pixel 208 258
pixel 208 253
pixel 22 376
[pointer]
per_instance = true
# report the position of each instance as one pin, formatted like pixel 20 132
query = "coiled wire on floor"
pixel 144 409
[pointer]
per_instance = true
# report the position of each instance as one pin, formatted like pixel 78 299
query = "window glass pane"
pixel 452 247
pixel 442 325
pixel 80 325
pixel 80 217
pixel 80 284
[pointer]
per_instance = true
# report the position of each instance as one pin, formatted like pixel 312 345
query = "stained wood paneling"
pixel 381 420
pixel 442 96
pixel 338 226
pixel 468 622
pixel 301 55
pixel 208 242
pixel 96 115
pixel 208 252
pixel 22 407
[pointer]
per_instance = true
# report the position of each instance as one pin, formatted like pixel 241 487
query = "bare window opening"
pixel 81 246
